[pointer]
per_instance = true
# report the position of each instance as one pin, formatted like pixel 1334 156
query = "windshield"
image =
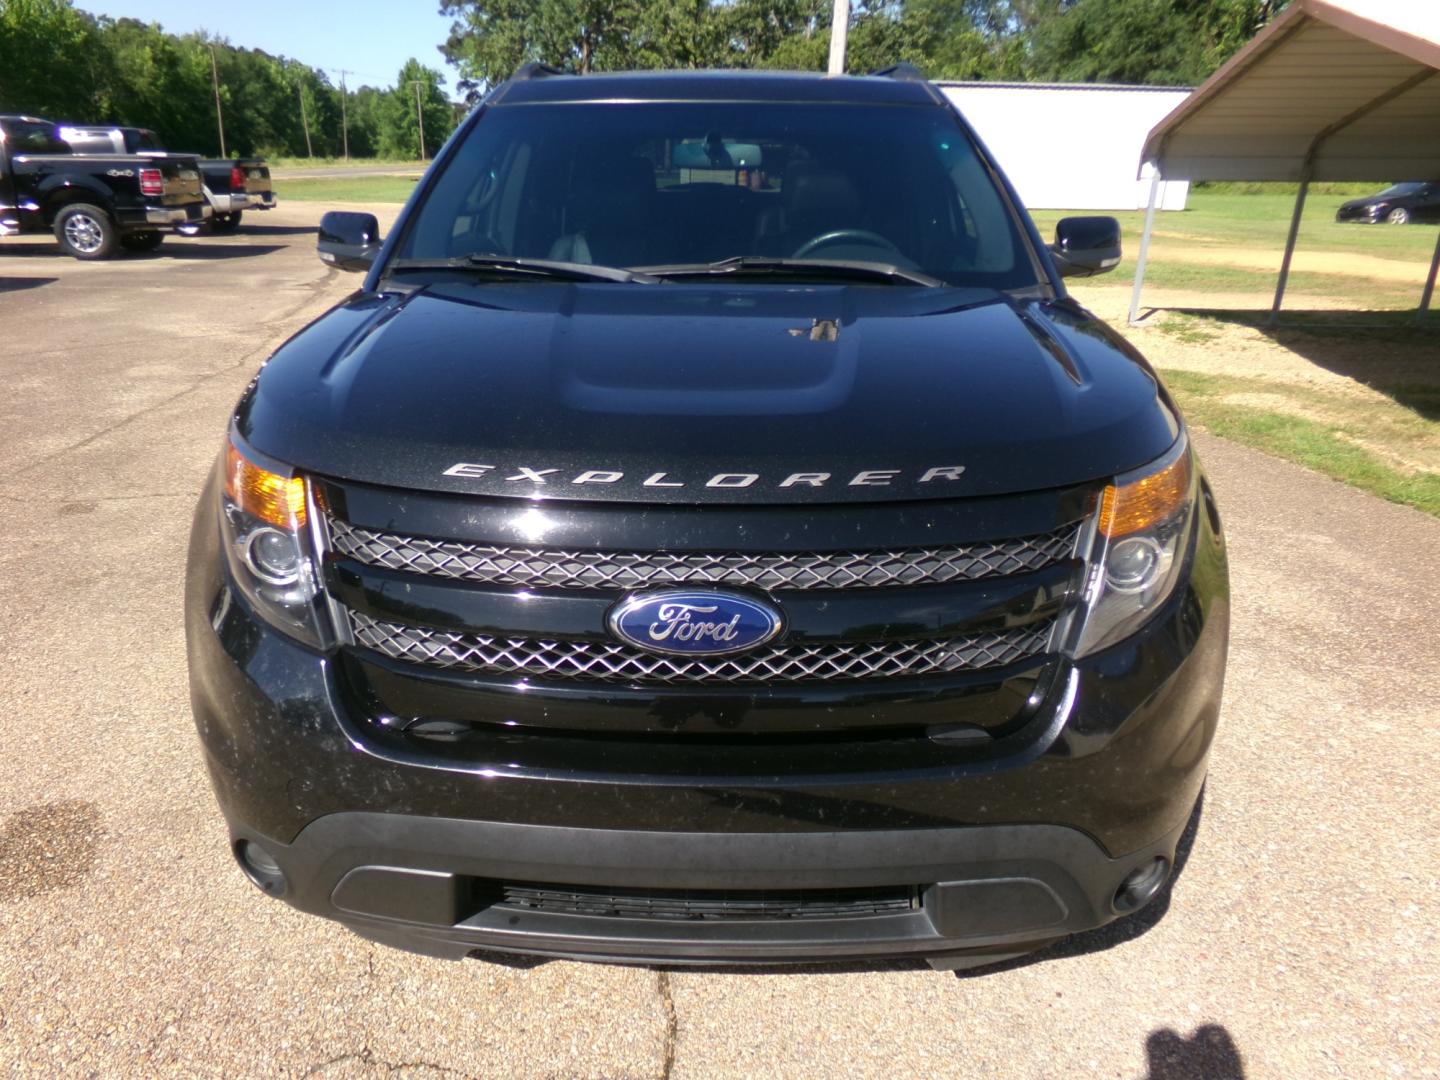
pixel 688 184
pixel 1394 190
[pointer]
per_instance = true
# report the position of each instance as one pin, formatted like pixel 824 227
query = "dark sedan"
pixel 1399 204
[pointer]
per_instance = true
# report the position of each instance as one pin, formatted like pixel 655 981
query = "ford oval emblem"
pixel 694 623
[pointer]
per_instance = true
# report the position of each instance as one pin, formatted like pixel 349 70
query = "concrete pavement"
pixel 1300 939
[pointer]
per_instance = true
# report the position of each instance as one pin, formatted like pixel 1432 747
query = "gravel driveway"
pixel 1300 939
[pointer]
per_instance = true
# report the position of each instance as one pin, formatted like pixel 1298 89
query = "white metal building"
pixel 1072 146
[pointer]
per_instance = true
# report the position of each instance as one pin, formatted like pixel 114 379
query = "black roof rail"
pixel 534 70
pixel 905 71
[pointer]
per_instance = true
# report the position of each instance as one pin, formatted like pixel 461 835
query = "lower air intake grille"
pixel 613 662
pixel 710 904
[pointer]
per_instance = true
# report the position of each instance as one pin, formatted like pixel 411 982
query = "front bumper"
pixel 1005 851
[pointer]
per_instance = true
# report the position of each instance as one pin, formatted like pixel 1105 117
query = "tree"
pixel 399 124
pixel 1162 42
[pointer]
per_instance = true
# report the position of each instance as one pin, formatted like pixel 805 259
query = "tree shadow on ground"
pixel 15 284
pixel 1386 351
pixel 1209 1054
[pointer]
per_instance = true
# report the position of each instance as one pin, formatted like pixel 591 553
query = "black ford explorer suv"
pixel 709 534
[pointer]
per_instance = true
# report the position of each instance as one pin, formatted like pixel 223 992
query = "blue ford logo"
pixel 694 623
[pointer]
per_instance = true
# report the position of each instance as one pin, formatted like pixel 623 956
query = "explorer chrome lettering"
pixel 523 474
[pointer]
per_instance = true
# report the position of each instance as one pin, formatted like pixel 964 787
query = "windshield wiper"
pixel 852 269
pixel 521 266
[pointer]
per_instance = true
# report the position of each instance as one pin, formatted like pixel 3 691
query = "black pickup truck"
pixel 710 533
pixel 232 185
pixel 95 204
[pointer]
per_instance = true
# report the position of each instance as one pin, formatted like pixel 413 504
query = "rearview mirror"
pixel 348 241
pixel 1085 246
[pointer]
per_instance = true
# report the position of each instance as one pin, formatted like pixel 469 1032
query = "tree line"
pixel 67 65
pixel 1158 42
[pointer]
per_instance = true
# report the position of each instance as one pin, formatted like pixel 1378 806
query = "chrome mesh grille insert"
pixel 614 662
pixel 541 567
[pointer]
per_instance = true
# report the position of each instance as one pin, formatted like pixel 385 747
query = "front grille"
pixel 541 567
pixel 709 904
pixel 613 662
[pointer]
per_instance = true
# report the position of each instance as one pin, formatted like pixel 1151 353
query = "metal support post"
pixel 1289 248
pixel 1144 247
pixel 1429 282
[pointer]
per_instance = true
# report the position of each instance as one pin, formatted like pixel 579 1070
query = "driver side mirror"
pixel 348 241
pixel 1085 246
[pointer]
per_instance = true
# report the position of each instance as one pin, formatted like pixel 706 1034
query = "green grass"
pixel 1325 437
pixel 1261 222
pixel 368 189
pixel 337 162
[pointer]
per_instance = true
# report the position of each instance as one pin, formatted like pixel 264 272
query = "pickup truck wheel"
pixel 86 232
pixel 225 223
pixel 142 241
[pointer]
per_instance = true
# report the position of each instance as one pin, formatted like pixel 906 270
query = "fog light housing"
pixel 260 867
pixel 1141 885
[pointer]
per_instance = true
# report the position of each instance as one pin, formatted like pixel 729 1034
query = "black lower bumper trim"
pixel 437 886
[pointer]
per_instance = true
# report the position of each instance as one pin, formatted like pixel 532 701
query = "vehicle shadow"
pixel 1209 1054
pixel 15 284
pixel 204 251
pixel 1345 342
pixel 276 230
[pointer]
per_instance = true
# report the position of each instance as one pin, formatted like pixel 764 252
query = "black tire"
pixel 86 232
pixel 225 223
pixel 142 241
pixel 1398 216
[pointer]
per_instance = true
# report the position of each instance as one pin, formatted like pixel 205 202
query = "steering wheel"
pixel 839 236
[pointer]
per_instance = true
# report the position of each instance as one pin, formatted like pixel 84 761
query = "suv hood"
pixel 707 393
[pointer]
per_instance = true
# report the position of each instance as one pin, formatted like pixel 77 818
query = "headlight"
pixel 1141 532
pixel 264 515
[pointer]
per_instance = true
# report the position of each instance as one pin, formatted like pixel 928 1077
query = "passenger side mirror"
pixel 348 241
pixel 1085 246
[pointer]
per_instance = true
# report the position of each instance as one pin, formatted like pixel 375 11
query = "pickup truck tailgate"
pixel 257 176
pixel 182 180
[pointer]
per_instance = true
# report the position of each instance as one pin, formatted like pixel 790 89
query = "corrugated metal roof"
pixel 1332 90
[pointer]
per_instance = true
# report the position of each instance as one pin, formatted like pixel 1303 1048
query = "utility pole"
pixel 344 125
pixel 219 118
pixel 300 90
pixel 839 31
pixel 419 114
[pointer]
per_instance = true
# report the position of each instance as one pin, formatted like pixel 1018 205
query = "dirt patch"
pixel 1348 264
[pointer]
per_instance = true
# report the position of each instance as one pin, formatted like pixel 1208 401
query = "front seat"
pixel 813 201
pixel 611 215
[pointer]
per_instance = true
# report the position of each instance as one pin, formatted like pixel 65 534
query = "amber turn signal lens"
pixel 279 500
pixel 1146 502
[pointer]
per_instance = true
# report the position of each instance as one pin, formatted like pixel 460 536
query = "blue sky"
pixel 369 38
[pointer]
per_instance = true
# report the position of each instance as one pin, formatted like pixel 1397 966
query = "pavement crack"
pixel 672 1023
pixel 366 1057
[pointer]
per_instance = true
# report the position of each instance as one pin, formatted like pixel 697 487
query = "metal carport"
pixel 1332 90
